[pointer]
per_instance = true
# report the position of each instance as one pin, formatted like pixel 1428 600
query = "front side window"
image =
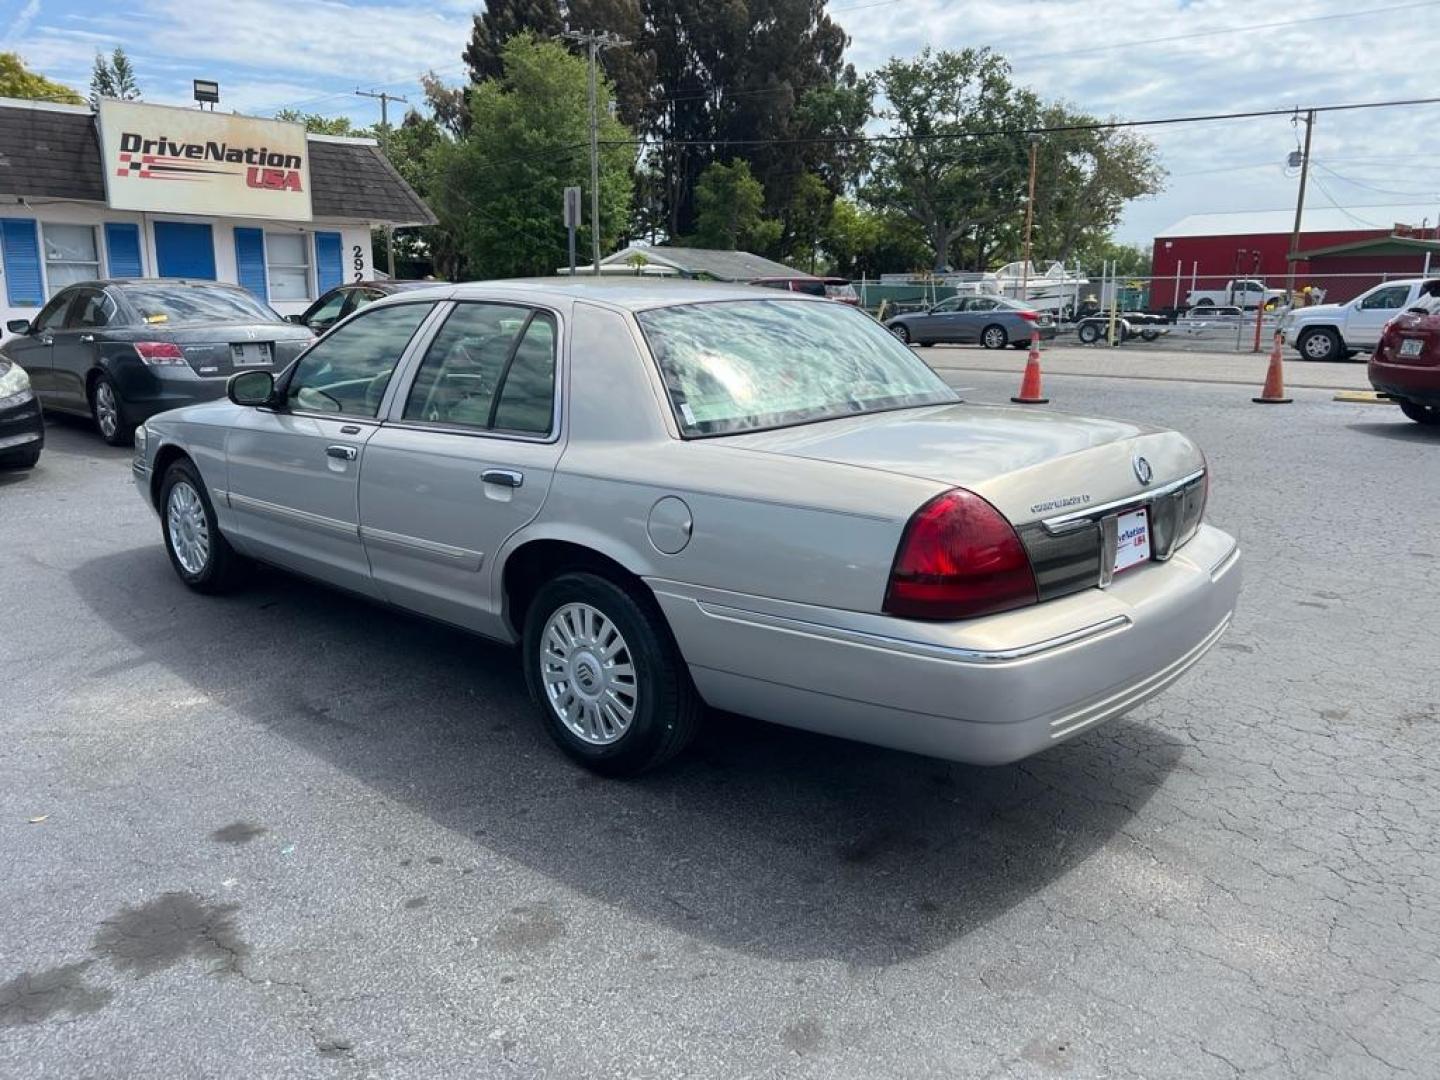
pixel 981 303
pixel 327 311
pixel 953 304
pixel 287 265
pixel 71 254
pixel 491 367
pixel 52 315
pixel 348 371
pixel 1386 299
pixel 744 364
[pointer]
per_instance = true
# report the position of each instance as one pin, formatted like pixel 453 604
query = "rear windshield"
pixel 175 305
pixel 744 364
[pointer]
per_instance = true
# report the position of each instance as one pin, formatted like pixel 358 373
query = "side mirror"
pixel 298 320
pixel 251 388
pixel 18 326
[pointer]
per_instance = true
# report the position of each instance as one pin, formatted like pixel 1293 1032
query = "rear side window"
pixel 348 371
pixel 1386 299
pixel 92 309
pixel 492 368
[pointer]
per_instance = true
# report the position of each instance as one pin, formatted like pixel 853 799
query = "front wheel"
pixel 994 337
pixel 108 412
pixel 1088 333
pixel 1322 344
pixel 1429 415
pixel 200 555
pixel 611 686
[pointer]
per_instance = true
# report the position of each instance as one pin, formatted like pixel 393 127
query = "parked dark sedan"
pixel 343 300
pixel 993 321
pixel 122 351
pixel 22 428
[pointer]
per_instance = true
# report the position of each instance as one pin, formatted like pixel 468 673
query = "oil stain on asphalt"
pixel 168 929
pixel 35 996
pixel 239 832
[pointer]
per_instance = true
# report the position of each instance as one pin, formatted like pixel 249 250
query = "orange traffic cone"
pixel 1274 392
pixel 1030 392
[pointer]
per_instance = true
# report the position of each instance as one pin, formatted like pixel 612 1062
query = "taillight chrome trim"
pixel 1079 518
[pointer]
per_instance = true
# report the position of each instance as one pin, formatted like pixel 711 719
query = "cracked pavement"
pixel 290 834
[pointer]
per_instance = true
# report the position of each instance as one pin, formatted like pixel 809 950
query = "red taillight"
pixel 1029 316
pixel 160 352
pixel 959 558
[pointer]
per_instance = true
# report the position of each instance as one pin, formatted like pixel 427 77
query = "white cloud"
pixel 21 23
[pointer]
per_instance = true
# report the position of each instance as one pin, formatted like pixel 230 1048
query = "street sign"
pixel 572 207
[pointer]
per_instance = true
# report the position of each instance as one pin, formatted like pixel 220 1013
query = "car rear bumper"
pixel 987 691
pixel 22 427
pixel 1414 382
pixel 146 391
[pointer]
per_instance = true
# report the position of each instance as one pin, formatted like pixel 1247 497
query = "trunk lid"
pixel 218 350
pixel 1029 465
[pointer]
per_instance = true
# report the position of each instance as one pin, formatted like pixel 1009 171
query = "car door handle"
pixel 344 453
pixel 503 477
pixel 87 337
pixel 47 340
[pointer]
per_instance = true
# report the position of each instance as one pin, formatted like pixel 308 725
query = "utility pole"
pixel 385 100
pixel 594 42
pixel 1299 208
pixel 1029 225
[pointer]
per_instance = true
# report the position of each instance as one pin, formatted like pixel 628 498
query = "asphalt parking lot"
pixel 289 834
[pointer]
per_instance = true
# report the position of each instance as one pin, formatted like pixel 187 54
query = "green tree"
pixel 113 77
pixel 18 81
pixel 317 124
pixel 499 188
pixel 949 172
pixel 861 242
pixel 730 210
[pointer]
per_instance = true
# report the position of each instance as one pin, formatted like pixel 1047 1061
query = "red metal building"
pixel 1207 250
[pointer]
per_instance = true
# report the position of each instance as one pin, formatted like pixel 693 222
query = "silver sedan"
pixel 675 495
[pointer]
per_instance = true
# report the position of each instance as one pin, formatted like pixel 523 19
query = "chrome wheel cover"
pixel 1319 347
pixel 107 412
pixel 189 532
pixel 588 674
pixel 994 338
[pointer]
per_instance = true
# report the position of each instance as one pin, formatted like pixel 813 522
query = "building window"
pixel 287 266
pixel 71 255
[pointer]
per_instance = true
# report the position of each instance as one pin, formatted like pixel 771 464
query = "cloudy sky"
pixel 1129 58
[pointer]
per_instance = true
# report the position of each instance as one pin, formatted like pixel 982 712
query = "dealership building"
pixel 153 191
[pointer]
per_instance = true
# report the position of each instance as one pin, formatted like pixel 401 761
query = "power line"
pixel 1053 129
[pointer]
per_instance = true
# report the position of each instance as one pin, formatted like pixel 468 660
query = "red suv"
pixel 1406 364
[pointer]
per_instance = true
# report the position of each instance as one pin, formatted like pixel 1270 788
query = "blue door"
pixel 184 249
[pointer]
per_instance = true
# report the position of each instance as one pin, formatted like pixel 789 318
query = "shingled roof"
pixel 53 152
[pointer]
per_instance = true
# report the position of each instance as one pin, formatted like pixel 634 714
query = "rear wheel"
pixel 1321 344
pixel 611 686
pixel 1429 415
pixel 1088 333
pixel 109 413
pixel 201 556
pixel 901 331
pixel 994 337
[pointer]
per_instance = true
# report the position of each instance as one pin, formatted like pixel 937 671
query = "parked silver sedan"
pixel 991 321
pixel 673 495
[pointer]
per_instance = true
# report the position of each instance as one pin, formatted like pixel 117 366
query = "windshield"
pixel 172 305
pixel 745 364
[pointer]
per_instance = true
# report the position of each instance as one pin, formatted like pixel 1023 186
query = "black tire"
pixel 927 344
pixel 107 409
pixel 1088 334
pixel 901 331
pixel 666 708
pixel 1320 345
pixel 1205 302
pixel 1149 335
pixel 1429 415
pixel 223 569
pixel 994 337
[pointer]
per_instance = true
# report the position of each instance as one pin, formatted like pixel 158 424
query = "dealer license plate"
pixel 1411 347
pixel 251 354
pixel 1132 539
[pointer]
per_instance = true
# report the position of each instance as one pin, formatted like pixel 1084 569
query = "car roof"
pixel 621 293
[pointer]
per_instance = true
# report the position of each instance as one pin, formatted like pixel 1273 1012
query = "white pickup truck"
pixel 1339 331
pixel 1244 293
